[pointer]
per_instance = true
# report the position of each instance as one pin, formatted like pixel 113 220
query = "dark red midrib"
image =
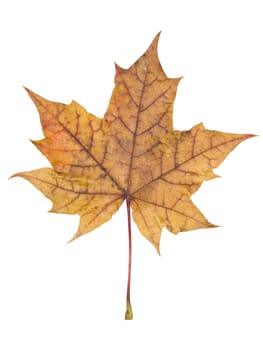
pixel 135 131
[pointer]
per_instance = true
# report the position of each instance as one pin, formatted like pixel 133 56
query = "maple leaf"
pixel 132 154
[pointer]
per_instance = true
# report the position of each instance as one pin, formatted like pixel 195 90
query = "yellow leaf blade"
pixel 133 153
pixel 177 214
pixel 139 112
pixel 185 159
pixel 71 196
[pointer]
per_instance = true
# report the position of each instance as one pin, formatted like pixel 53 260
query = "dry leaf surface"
pixel 132 153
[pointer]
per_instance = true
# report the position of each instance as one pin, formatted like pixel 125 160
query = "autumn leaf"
pixel 133 154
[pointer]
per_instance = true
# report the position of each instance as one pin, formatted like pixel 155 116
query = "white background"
pixel 205 291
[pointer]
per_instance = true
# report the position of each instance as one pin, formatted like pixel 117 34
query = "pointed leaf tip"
pixel 28 91
pixel 157 36
pixel 157 247
pixel 154 43
pixel 32 95
pixel 71 240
